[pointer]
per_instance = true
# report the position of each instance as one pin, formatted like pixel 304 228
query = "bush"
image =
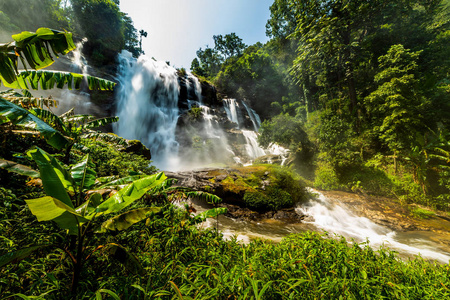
pixel 110 161
pixel 326 178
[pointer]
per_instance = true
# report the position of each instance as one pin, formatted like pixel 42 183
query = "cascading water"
pixel 252 146
pixel 147 104
pixel 335 217
pixel 232 108
pixel 147 107
pixel 235 115
pixel 253 116
pixel 80 100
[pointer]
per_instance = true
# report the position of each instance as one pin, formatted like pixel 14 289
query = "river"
pixel 338 215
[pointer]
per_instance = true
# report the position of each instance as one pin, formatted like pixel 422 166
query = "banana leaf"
pixel 10 112
pixel 209 198
pixel 50 118
pixel 127 219
pixel 51 79
pixel 129 194
pixel 83 175
pixel 35 46
pixel 90 205
pixel 113 181
pixel 55 178
pixel 211 213
pixel 20 254
pixel 101 122
pixel 18 168
pixel 51 209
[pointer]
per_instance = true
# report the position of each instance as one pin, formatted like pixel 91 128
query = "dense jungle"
pixel 152 191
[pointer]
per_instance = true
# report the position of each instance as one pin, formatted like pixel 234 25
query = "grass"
pixel 181 260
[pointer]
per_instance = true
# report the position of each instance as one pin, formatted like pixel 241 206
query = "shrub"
pixel 326 178
pixel 110 161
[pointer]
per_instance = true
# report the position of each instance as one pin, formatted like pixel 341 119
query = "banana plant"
pixel 67 189
pixel 37 50
pixel 63 205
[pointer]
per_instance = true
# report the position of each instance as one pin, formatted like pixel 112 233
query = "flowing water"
pixel 330 215
pixel 147 105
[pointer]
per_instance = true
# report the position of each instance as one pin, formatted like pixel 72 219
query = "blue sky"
pixel 178 28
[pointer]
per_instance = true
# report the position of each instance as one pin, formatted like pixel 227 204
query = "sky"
pixel 178 28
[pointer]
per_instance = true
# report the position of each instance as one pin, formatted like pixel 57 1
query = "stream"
pixel 329 214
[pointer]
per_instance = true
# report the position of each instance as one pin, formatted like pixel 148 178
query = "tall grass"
pixel 182 262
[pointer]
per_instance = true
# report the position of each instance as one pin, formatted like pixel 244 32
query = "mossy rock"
pixel 259 187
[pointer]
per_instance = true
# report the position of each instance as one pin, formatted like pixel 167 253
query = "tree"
pixel 208 62
pixel 229 45
pixel 252 76
pixel 102 23
pixel 397 109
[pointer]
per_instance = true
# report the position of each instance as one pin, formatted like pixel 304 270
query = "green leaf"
pixel 83 176
pixel 11 112
pixel 89 206
pixel 18 168
pixel 98 294
pixel 209 198
pixel 15 256
pixel 121 254
pixel 125 220
pixel 101 122
pixel 211 213
pixel 51 209
pixel 55 178
pixel 35 46
pixel 130 193
pixel 115 182
pixel 51 79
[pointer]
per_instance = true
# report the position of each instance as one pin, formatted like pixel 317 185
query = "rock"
pixel 287 215
pixel 232 184
pixel 136 147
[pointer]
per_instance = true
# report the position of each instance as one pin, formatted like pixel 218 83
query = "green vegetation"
pixel 107 28
pixel 359 89
pixel 364 96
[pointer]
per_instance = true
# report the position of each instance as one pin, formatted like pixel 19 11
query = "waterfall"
pixel 197 86
pixel 253 116
pixel 335 217
pixel 234 114
pixel 147 106
pixel 232 108
pixel 252 146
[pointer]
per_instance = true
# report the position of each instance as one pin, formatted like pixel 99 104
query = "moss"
pixel 265 187
pixel 272 199
pixel 238 186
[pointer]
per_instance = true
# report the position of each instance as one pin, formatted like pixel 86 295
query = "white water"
pixel 231 108
pixel 252 146
pixel 147 107
pixel 335 217
pixel 256 120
